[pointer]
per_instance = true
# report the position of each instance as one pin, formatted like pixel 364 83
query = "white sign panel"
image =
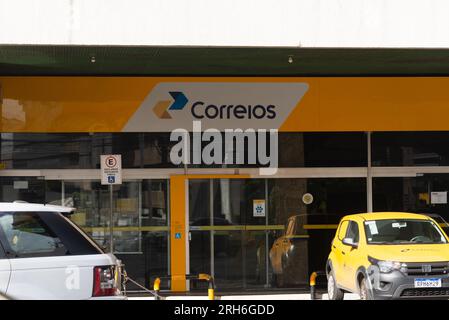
pixel 111 169
pixel 20 184
pixel 218 105
pixel 259 208
pixel 439 197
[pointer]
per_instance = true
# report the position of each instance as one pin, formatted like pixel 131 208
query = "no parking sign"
pixel 111 169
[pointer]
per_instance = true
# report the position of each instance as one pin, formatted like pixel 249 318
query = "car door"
pixel 338 250
pixel 5 270
pixel 352 260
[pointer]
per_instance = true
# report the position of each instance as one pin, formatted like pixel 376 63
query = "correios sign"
pixel 219 105
pixel 220 123
pixel 248 113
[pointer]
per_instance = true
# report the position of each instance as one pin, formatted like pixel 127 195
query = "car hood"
pixel 410 253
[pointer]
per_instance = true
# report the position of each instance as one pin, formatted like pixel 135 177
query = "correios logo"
pixel 209 110
pixel 162 107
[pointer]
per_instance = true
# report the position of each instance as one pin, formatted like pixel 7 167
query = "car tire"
pixel 364 292
pixel 334 292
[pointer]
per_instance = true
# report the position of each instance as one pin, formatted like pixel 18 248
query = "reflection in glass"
pixel 410 148
pixel 83 150
pixel 29 189
pixel 297 250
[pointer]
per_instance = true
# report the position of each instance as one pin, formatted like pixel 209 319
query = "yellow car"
pixel 389 255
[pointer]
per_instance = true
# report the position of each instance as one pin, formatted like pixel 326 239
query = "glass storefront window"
pixel 199 202
pixel 233 201
pixel 414 194
pixel 410 148
pixel 141 239
pixel 156 150
pixel 200 254
pixel 127 217
pixel 91 200
pixel 411 194
pixel 29 189
pixel 83 150
pixel 307 226
pixel 152 150
pixel 322 149
pixel 154 203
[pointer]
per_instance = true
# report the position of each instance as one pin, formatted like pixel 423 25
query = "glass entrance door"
pixel 227 239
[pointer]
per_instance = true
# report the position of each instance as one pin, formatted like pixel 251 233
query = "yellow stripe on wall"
pixel 320 226
pixel 128 229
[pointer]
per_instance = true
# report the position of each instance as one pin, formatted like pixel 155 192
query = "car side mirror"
pixel 350 242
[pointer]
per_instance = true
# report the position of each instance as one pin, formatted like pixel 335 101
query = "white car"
pixel 43 255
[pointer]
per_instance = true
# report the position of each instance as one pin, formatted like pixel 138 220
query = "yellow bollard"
pixel 156 287
pixel 313 279
pixel 211 289
pixel 211 292
pixel 312 285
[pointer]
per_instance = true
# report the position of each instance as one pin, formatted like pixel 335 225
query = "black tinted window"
pixel 40 234
pixel 322 149
pixel 410 148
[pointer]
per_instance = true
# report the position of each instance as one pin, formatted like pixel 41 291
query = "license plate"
pixel 428 283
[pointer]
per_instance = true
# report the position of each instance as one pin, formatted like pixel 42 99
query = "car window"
pixel 400 231
pixel 342 230
pixel 353 231
pixel 40 234
pixel 27 234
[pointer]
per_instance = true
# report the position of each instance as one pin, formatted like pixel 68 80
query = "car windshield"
pixel 402 231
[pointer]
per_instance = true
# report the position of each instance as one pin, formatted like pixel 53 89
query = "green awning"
pixel 33 60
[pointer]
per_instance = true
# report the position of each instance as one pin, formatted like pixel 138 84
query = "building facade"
pixel 343 145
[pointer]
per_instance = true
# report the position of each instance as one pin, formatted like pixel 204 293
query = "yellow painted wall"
pixel 104 104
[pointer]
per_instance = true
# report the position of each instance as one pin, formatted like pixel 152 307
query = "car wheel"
pixel 333 291
pixel 364 291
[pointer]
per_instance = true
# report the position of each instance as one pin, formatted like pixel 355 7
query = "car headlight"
pixel 387 266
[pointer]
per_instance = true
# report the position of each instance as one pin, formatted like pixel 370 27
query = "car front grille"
pixel 427 269
pixel 426 292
